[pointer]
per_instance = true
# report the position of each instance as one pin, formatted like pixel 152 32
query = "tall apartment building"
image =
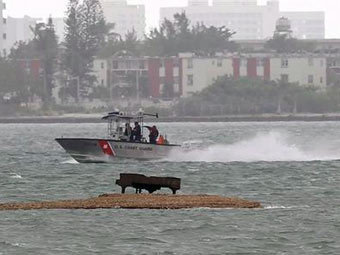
pixel 3 35
pixel 306 25
pixel 59 27
pixel 19 29
pixel 125 17
pixel 248 19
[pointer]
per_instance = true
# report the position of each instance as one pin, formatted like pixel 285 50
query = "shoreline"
pixel 78 119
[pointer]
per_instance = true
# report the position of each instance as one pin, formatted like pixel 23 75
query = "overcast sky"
pixel 56 8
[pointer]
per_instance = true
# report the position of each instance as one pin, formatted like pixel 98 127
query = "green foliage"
pixel 177 36
pixel 116 44
pixel 85 33
pixel 228 96
pixel 102 93
pixel 16 83
pixel 281 44
pixel 46 44
pixel 23 50
pixel 172 38
pixel 12 77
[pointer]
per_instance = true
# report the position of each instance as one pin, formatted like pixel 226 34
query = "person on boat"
pixel 128 131
pixel 161 140
pixel 153 135
pixel 137 132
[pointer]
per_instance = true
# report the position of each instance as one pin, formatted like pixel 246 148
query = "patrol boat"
pixel 117 145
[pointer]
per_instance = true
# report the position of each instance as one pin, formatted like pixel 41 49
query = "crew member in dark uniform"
pixel 153 135
pixel 137 132
pixel 128 132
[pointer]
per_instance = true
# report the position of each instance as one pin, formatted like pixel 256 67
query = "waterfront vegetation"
pixel 228 96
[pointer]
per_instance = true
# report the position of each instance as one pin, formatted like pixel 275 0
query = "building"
pixel 19 29
pixel 59 27
pixel 306 25
pixel 150 77
pixel 32 67
pixel 3 35
pixel 333 69
pixel 200 72
pixel 182 76
pixel 100 70
pixel 321 45
pixel 248 19
pixel 125 17
pixel 301 69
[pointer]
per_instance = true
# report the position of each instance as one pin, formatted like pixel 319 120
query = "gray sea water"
pixel 292 168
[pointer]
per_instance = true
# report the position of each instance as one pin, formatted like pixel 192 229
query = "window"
pixel 243 62
pixel 284 63
pixel 162 63
pixel 321 62
pixel 102 65
pixel 102 82
pixel 141 64
pixel 176 62
pixel 219 62
pixel 284 78
pixel 310 61
pixel 128 64
pixel 4 36
pixel 190 63
pixel 321 79
pixel 259 62
pixel 190 80
pixel 5 21
pixel 114 64
pixel 310 79
pixel 176 80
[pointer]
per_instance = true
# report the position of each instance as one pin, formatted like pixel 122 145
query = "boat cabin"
pixel 118 121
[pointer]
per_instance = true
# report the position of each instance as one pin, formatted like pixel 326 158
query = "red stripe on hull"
pixel 106 147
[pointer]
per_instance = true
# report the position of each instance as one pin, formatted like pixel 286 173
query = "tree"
pixel 72 55
pixel 46 43
pixel 23 50
pixel 85 32
pixel 177 36
pixel 255 96
pixel 281 44
pixel 16 82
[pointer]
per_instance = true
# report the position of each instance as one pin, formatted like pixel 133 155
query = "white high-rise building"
pixel 306 25
pixel 19 29
pixel 248 19
pixel 59 28
pixel 3 35
pixel 125 17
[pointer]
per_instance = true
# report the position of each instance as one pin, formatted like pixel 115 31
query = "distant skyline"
pixel 43 9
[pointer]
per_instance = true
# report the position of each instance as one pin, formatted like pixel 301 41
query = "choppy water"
pixel 292 168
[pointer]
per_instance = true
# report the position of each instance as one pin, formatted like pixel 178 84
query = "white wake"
pixel 270 147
